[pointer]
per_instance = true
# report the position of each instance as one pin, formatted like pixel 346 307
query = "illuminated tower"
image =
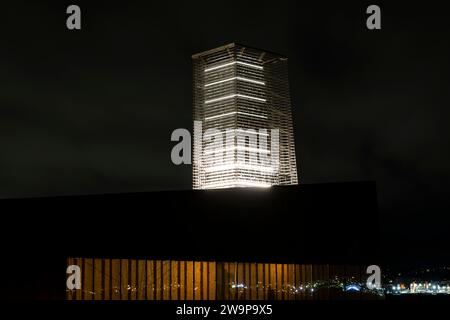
pixel 243 133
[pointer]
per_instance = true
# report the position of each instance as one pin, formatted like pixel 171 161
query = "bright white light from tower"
pixel 243 135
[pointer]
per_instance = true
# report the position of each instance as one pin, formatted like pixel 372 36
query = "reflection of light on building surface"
pixel 130 279
pixel 352 287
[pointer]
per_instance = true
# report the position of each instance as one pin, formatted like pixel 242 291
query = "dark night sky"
pixel 92 111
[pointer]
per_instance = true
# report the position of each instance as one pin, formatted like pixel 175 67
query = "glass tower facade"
pixel 243 132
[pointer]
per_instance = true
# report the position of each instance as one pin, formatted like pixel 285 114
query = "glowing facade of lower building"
pixel 132 279
pixel 243 132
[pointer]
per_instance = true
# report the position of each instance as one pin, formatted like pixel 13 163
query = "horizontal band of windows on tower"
pixel 235 112
pixel 238 148
pixel 238 183
pixel 237 132
pixel 233 63
pixel 239 166
pixel 237 95
pixel 235 78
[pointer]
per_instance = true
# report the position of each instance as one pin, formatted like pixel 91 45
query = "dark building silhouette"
pixel 231 237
